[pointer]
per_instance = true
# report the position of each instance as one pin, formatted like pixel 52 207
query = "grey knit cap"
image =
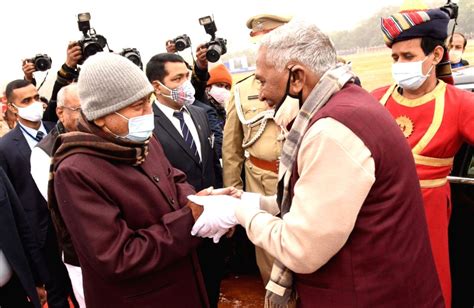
pixel 109 82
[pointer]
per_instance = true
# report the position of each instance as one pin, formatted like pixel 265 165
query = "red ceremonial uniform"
pixel 435 126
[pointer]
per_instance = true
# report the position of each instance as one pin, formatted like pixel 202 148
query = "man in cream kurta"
pixel 352 229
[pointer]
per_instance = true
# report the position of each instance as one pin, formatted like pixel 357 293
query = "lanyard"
pixel 32 137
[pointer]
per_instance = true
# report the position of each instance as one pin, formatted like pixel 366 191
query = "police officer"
pixel 252 138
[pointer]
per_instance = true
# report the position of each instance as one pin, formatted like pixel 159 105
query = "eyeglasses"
pixel 72 108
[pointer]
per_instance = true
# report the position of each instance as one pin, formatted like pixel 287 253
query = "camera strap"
pixel 42 82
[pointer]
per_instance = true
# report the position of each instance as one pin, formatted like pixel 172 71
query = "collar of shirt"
pixel 187 119
pixel 32 142
pixel 168 111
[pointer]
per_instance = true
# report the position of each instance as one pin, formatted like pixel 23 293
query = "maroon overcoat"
pixel 131 231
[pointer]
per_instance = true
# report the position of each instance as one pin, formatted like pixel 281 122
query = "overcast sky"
pixel 29 27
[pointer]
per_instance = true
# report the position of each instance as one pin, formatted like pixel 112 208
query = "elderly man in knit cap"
pixel 218 90
pixel 119 198
pixel 435 117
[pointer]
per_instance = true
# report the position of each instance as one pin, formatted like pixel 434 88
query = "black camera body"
pixel 182 42
pixel 91 43
pixel 133 55
pixel 215 49
pixel 217 46
pixel 42 62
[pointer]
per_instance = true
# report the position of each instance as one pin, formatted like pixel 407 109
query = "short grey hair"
pixel 302 42
pixel 64 91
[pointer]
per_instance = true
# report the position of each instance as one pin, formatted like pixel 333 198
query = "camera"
pixel 42 62
pixel 216 47
pixel 91 43
pixel 182 42
pixel 133 55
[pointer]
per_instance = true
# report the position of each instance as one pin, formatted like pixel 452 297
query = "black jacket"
pixel 199 174
pixel 215 125
pixel 18 242
pixel 15 161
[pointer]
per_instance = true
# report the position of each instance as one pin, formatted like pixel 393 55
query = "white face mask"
pixel 33 112
pixel 409 75
pixel 139 128
pixel 221 95
pixel 455 56
pixel 183 94
pixel 287 112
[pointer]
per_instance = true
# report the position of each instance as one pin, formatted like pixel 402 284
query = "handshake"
pixel 217 210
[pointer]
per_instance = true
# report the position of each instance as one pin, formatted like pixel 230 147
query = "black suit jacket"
pixel 199 174
pixel 18 242
pixel 215 124
pixel 15 161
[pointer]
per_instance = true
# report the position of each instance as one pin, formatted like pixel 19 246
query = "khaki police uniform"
pixel 256 146
pixel 251 137
pixel 252 140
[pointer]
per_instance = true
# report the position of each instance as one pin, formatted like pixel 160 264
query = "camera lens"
pixel 135 59
pixel 180 44
pixel 214 53
pixel 42 64
pixel 91 49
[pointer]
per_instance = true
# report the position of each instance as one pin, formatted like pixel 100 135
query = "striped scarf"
pixel 280 291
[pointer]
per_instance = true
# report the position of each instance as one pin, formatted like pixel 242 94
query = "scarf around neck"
pixel 92 140
pixel 280 289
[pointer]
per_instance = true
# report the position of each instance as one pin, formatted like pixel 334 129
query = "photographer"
pixel 66 74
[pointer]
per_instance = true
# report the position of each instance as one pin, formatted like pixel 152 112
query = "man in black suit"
pixel 21 263
pixel 15 150
pixel 183 130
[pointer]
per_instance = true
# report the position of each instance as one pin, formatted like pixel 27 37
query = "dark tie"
pixel 39 136
pixel 188 138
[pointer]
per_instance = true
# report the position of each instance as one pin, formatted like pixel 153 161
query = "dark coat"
pixel 15 161
pixel 215 124
pixel 18 242
pixel 131 231
pixel 199 175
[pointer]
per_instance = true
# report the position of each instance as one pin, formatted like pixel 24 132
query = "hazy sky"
pixel 29 27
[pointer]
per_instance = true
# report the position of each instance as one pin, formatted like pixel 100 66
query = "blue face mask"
pixel 139 128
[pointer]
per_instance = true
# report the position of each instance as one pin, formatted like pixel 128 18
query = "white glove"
pixel 218 215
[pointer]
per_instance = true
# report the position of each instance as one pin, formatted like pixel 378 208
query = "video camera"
pixel 216 47
pixel 42 62
pixel 133 55
pixel 91 43
pixel 182 42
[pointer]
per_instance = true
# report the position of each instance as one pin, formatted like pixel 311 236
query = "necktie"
pixel 39 136
pixel 188 138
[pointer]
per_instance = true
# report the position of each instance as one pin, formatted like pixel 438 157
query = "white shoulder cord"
pixel 260 118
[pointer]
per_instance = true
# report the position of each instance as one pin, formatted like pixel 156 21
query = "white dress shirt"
pixel 31 141
pixel 187 119
pixel 5 270
pixel 39 162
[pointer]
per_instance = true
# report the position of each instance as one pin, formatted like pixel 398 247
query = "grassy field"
pixel 374 68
